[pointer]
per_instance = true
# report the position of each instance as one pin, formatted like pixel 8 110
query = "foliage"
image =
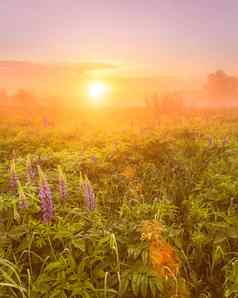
pixel 179 180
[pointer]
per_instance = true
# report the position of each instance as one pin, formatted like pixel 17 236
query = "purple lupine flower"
pixel 23 203
pixel 13 176
pixel 63 191
pixel 88 193
pixel 46 200
pixel 30 173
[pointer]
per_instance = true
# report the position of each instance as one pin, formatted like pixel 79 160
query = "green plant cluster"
pixel 185 177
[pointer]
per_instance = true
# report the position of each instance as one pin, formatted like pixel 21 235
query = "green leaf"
pixel 80 244
pixel 144 285
pixel 135 283
pixel 153 288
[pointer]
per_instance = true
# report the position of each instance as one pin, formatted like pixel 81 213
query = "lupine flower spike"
pixel 30 173
pixel 13 176
pixel 23 203
pixel 63 191
pixel 46 200
pixel 88 193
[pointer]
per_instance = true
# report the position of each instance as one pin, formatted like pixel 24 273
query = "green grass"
pixel 176 176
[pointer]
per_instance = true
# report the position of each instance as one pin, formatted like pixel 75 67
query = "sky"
pixel 186 38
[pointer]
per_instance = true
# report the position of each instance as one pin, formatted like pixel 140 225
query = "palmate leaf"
pixel 142 282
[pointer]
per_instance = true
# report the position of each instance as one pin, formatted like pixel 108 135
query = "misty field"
pixel 147 212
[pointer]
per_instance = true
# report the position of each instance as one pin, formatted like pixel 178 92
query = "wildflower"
pixel 163 257
pixel 23 204
pixel 88 193
pixel 63 191
pixel 13 176
pixel 30 173
pixel 45 195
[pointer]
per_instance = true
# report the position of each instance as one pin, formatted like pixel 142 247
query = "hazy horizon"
pixel 134 48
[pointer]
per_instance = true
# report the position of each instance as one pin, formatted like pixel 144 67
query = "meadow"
pixel 136 212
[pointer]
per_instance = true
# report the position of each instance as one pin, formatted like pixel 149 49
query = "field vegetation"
pixel 136 212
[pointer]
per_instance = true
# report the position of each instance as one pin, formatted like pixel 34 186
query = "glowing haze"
pixel 67 43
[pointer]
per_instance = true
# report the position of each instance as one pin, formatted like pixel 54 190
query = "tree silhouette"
pixel 222 86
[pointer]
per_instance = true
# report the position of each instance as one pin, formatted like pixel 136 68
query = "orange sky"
pixel 138 46
pixel 71 80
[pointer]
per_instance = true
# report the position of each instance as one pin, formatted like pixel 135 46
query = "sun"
pixel 97 91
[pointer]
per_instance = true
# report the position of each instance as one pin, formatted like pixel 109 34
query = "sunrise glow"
pixel 97 92
pixel 118 148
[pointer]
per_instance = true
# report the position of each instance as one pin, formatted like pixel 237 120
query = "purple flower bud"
pixel 13 176
pixel 88 193
pixel 63 191
pixel 46 200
